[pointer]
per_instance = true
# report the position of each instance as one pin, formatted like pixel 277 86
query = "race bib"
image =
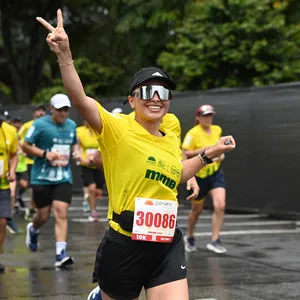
pixel 91 153
pixel 1 167
pixel 64 155
pixel 154 220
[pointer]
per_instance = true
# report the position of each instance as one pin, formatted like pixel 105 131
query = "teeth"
pixel 154 107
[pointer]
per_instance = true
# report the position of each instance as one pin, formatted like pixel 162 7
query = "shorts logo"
pixel 182 267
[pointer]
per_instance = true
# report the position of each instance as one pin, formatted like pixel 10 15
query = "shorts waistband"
pixel 126 240
pixel 119 237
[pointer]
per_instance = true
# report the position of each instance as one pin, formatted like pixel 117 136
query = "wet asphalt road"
pixel 262 262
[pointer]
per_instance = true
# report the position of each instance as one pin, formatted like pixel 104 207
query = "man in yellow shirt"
pixel 8 164
pixel 210 179
pixel 38 111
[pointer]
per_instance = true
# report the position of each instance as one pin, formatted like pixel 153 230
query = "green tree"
pixel 110 41
pixel 120 37
pixel 233 43
pixel 23 49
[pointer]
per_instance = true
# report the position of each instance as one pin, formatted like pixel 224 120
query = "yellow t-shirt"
pixel 136 163
pixel 197 138
pixel 8 146
pixel 22 132
pixel 88 143
pixel 169 121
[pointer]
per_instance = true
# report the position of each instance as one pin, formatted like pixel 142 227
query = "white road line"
pixel 78 208
pixel 206 299
pixel 245 232
pixel 260 223
pixel 227 216
pixel 86 220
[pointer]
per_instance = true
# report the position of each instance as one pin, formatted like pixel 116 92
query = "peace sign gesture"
pixel 57 39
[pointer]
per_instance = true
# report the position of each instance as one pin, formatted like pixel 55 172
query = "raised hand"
pixel 228 141
pixel 225 144
pixel 57 39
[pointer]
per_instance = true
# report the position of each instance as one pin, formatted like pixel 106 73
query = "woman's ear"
pixel 131 101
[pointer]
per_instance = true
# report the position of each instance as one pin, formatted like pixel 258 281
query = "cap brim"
pixel 58 106
pixel 208 112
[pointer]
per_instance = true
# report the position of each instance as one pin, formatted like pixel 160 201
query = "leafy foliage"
pixel 233 44
pixel 203 43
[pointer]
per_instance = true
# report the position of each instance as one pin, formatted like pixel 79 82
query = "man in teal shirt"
pixel 51 140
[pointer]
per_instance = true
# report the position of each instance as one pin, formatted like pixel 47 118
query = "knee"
pixel 24 184
pixel 61 213
pixel 43 216
pixel 3 222
pixel 197 209
pixel 219 206
pixel 92 188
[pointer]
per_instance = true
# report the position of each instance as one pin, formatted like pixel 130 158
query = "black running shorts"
pixel 43 195
pixel 124 266
pixel 90 176
pixel 22 176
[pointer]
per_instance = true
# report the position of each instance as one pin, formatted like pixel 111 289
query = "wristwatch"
pixel 44 154
pixel 206 160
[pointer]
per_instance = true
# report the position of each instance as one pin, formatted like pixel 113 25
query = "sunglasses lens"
pixel 147 92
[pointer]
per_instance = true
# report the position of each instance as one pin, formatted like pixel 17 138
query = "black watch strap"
pixel 206 160
pixel 44 154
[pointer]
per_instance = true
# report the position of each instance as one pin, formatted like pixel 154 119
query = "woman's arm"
pixel 192 153
pixel 193 165
pixel 58 42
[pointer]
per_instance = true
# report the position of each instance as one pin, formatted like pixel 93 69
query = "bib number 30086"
pixel 154 220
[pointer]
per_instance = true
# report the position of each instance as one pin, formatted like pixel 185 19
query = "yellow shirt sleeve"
pixel 188 141
pixel 114 128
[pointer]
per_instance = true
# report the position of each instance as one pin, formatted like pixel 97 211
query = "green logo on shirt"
pixel 151 160
pixel 151 174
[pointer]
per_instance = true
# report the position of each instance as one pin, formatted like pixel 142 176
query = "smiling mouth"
pixel 154 107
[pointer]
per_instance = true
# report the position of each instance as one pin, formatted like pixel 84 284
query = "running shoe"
pixel 21 202
pixel 216 246
pixel 12 227
pixel 95 294
pixel 189 244
pixel 31 238
pixel 85 204
pixel 29 212
pixel 63 260
pixel 93 217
